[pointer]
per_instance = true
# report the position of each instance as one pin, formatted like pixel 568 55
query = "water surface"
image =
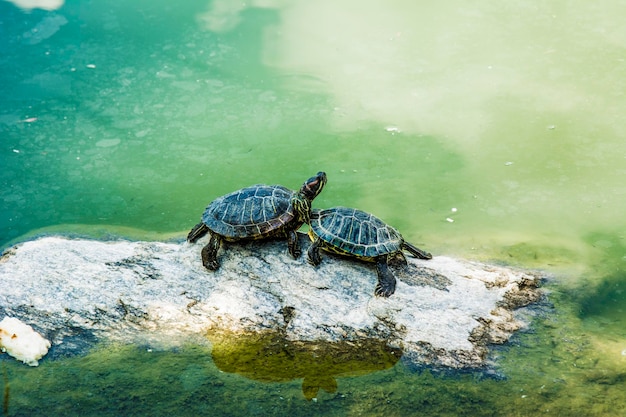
pixel 492 131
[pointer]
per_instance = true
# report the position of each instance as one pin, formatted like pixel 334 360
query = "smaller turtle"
pixel 256 212
pixel 361 235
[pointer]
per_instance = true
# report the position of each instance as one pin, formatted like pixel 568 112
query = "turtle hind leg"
pixel 417 252
pixel 209 253
pixel 197 232
pixel 397 259
pixel 386 281
pixel 313 254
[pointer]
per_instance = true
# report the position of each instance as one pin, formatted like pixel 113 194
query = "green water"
pixel 127 118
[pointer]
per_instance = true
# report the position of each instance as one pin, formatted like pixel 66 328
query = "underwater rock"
pixel 445 311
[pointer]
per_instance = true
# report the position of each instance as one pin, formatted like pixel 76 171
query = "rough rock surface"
pixel 445 312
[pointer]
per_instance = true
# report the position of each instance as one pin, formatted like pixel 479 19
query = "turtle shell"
pixel 252 212
pixel 355 232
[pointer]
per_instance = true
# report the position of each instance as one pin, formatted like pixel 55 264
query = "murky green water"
pixel 127 118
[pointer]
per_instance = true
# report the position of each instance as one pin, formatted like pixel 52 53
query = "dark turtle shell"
pixel 355 232
pixel 251 212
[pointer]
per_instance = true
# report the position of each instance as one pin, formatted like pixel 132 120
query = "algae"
pixel 7 389
pixel 605 298
pixel 603 289
pixel 534 255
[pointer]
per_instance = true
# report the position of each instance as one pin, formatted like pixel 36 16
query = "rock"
pixel 21 341
pixel 445 312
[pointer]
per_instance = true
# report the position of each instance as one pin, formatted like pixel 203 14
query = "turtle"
pixel 358 234
pixel 256 212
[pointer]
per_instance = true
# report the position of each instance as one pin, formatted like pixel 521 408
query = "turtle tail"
pixel 415 251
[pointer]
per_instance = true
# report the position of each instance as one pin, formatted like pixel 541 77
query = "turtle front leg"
pixel 209 253
pixel 292 244
pixel 313 254
pixel 386 281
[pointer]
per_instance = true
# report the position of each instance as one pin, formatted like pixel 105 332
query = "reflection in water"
pixel 269 357
pixel 44 29
pixel 38 4
pixel 225 15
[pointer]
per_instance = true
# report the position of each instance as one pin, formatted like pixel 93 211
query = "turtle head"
pixel 313 186
pixel 303 198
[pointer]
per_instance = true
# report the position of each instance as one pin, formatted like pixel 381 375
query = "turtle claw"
pixel 295 252
pixel 211 265
pixel 314 260
pixel 385 289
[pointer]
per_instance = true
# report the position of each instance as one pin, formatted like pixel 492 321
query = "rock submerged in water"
pixel 445 312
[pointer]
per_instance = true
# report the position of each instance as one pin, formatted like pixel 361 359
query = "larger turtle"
pixel 355 233
pixel 256 212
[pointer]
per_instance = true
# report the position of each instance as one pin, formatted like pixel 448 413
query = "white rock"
pixel 21 341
